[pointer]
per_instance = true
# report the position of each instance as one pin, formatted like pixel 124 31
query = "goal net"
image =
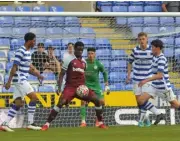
pixel 114 35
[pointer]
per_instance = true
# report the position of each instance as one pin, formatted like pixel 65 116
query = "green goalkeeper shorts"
pixel 99 94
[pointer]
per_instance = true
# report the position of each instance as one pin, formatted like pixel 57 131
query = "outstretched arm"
pixel 35 72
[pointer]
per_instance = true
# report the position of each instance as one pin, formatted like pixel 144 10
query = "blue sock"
pixel 142 113
pixel 31 111
pixel 12 113
pixel 149 106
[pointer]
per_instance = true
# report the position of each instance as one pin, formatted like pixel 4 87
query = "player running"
pixel 161 86
pixel 140 61
pixel 19 74
pixel 92 81
pixel 74 68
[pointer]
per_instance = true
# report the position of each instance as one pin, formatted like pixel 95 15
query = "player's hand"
pixel 107 89
pixel 128 80
pixel 142 83
pixel 7 85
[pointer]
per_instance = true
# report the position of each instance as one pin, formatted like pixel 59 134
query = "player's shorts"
pixel 22 89
pixel 69 93
pixel 146 88
pixel 167 95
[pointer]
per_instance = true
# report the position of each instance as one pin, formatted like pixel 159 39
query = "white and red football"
pixel 82 91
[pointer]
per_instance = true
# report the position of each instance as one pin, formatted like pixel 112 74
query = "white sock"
pixel 31 111
pixel 142 115
pixel 47 123
pixel 155 111
pixel 83 121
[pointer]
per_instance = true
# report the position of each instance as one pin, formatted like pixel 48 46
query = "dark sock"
pixel 52 116
pixel 99 113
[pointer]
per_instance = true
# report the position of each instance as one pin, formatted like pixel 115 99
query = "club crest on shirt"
pixel 95 67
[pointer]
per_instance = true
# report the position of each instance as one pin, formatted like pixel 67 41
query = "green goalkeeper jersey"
pixel 92 74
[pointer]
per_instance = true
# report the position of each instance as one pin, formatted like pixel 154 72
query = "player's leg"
pixel 65 98
pixel 83 113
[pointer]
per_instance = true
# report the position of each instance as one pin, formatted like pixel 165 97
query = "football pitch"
pixel 124 133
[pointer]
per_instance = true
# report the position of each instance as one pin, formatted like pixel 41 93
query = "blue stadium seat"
pixel 152 9
pixel 129 87
pixel 39 31
pixel 16 43
pixel 137 3
pixel 106 9
pixel 11 90
pixel 4 42
pixel 177 53
pixel 151 30
pixel 135 21
pixel 56 21
pixel 119 9
pixel 135 8
pixel 11 55
pixel 103 54
pixel 1 77
pixel 53 42
pixel 22 21
pixel 167 21
pixel 117 76
pixel 69 40
pixel 6 21
pixel 169 52
pixel 84 53
pixel 104 3
pixel 177 20
pixel 2 67
pixel 136 30
pixel 118 53
pixel 9 66
pixel 121 21
pixel 2 54
pixel 106 64
pixel 118 64
pixel 49 76
pixel 87 31
pixel 33 79
pixel 40 9
pixel 103 43
pixel 54 31
pixel 7 8
pixel 71 31
pixel 56 9
pixel 167 29
pixel 168 41
pixel 39 22
pixel 46 89
pixel 101 79
pixel 117 87
pixel 88 42
pixel 159 3
pixel 72 21
pixel 151 39
pixel 5 32
pixel 57 53
pixel 177 42
pixel 23 8
pixel 120 3
pixel 151 21
pixel 19 32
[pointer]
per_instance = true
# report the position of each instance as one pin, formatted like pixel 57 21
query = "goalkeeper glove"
pixel 107 89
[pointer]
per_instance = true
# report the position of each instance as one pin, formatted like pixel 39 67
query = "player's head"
pixel 40 47
pixel 78 49
pixel 143 39
pixel 70 48
pixel 91 53
pixel 30 39
pixel 157 46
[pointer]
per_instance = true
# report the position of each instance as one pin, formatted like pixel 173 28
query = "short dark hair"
pixel 70 44
pixel 142 34
pixel 40 44
pixel 78 44
pixel 29 36
pixel 91 49
pixel 157 43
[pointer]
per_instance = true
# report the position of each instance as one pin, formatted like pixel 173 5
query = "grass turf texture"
pixel 124 133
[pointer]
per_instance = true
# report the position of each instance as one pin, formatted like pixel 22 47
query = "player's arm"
pixel 105 76
pixel 158 75
pixel 129 69
pixel 35 72
pixel 18 57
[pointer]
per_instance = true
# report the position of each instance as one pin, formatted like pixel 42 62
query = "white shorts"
pixel 146 88
pixel 22 89
pixel 167 95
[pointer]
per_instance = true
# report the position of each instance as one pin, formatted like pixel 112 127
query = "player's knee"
pixel 175 104
pixel 102 102
pixel 140 100
pixel 33 97
pixel 83 103
pixel 19 102
pixel 62 102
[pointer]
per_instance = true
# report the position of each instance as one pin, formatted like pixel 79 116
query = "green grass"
pixel 124 133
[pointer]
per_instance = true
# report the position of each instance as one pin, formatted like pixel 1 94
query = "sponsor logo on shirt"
pixel 78 69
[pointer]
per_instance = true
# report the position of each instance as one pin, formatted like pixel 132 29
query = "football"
pixel 82 91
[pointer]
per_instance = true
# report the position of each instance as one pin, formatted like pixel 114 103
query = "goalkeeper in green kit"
pixel 93 68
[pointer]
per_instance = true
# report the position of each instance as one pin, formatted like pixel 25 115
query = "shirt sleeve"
pixel 161 65
pixel 131 57
pixel 66 61
pixel 18 57
pixel 103 71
